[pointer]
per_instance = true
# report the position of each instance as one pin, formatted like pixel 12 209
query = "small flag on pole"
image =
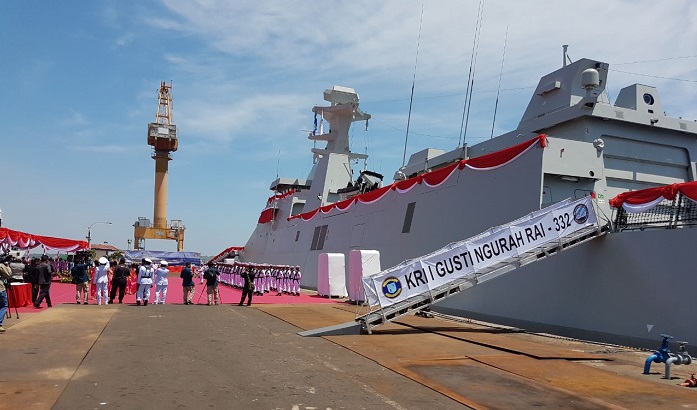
pixel 314 130
pixel 321 124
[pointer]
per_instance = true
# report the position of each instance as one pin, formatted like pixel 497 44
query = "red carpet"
pixel 65 293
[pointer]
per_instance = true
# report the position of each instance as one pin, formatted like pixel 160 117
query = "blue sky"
pixel 79 80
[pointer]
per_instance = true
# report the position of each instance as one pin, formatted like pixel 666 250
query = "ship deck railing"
pixel 680 212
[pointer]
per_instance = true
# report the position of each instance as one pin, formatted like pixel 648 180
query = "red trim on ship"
pixel 437 177
pixel 345 204
pixel 645 196
pixel 374 196
pixel 407 184
pixel 279 196
pixel 267 215
pixel 227 251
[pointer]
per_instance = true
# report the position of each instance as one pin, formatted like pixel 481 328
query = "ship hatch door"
pixel 357 235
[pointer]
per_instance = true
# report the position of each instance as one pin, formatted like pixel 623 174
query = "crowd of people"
pixel 105 280
pixel 111 280
pixel 39 272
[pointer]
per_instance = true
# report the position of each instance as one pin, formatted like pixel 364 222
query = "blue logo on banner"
pixel 391 287
pixel 581 213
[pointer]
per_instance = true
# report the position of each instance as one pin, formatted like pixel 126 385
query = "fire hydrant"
pixel 682 357
pixel 659 356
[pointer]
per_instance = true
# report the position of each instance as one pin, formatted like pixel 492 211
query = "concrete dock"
pixel 230 357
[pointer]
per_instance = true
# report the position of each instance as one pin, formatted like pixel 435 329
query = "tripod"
pixel 220 300
pixel 10 298
pixel 199 295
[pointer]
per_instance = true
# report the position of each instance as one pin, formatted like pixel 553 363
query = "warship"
pixel 626 287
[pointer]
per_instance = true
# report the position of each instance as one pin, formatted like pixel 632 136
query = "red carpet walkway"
pixel 65 293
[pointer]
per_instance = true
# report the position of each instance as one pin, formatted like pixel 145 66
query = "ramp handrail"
pixel 379 315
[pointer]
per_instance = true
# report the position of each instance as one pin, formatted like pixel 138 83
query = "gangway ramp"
pixel 416 284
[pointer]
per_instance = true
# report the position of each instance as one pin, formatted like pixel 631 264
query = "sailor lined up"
pixel 282 279
pixel 161 283
pixel 101 280
pixel 145 279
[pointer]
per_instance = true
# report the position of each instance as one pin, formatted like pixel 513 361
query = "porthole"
pixel 648 99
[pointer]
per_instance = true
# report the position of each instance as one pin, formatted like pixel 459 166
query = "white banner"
pixel 462 259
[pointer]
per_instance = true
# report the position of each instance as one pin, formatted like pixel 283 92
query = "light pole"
pixel 89 231
pixel 128 241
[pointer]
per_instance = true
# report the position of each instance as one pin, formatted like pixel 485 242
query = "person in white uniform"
pixel 200 272
pixel 145 278
pixel 161 283
pixel 297 277
pixel 101 281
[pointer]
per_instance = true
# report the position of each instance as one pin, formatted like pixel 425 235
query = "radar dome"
pixel 590 78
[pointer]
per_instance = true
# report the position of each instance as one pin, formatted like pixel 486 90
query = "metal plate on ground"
pixel 479 386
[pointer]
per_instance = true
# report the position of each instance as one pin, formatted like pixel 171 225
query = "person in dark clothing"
pixel 187 283
pixel 32 276
pixel 248 288
pixel 211 277
pixel 119 281
pixel 81 280
pixel 45 276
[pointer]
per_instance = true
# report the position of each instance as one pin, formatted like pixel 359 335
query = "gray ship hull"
pixel 626 287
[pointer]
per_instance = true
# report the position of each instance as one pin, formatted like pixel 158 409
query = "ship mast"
pixel 333 168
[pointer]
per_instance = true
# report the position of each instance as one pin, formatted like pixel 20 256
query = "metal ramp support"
pixel 419 302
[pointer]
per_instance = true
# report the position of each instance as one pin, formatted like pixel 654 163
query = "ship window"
pixel 297 235
pixel 648 99
pixel 408 217
pixel 297 208
pixel 318 238
pixel 315 237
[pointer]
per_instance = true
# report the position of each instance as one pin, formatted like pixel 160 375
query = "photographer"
pixel 248 289
pixel 5 274
pixel 211 277
pixel 187 283
pixel 81 281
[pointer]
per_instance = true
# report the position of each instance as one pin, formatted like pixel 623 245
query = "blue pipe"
pixel 654 357
pixel 660 355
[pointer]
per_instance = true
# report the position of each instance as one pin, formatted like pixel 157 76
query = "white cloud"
pixel 74 119
pixel 104 149
pixel 375 43
pixel 258 115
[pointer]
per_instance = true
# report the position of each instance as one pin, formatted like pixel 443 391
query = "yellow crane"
pixel 162 137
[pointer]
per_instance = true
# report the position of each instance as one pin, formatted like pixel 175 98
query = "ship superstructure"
pixel 603 290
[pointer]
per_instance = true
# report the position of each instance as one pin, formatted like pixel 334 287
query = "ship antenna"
pixel 498 90
pixel 413 81
pixel 275 189
pixel 566 57
pixel 470 77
